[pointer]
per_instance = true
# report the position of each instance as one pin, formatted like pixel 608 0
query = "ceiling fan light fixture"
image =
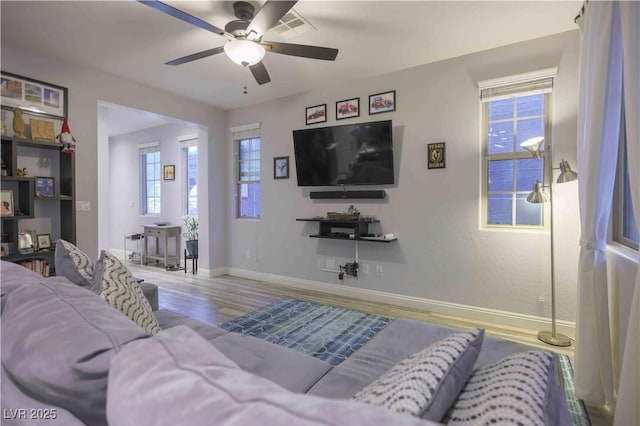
pixel 244 52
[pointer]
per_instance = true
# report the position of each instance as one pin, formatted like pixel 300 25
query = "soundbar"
pixel 344 195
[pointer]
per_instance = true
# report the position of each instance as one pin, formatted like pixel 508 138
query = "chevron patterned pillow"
pixel 73 264
pixel 513 390
pixel 120 290
pixel 428 382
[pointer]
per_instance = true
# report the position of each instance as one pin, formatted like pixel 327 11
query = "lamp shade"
pixel 537 196
pixel 566 174
pixel 244 52
pixel 533 145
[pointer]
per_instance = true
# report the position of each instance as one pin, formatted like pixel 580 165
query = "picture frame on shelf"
pixel 44 186
pixel 35 97
pixel 6 199
pixel 316 114
pixel 348 108
pixel 170 172
pixel 4 249
pixel 382 102
pixel 42 130
pixel 26 242
pixel 281 167
pixel 44 242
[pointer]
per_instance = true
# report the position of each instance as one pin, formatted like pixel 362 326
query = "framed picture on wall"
pixel 382 102
pixel 316 114
pixel 348 108
pixel 170 172
pixel 33 96
pixel 281 167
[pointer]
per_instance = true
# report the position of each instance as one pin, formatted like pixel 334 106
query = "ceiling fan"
pixel 245 45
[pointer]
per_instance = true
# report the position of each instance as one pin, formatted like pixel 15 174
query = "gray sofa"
pixel 69 358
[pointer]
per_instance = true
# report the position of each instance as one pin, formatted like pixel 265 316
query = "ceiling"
pixel 131 40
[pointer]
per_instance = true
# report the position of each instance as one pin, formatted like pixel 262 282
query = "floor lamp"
pixel 538 196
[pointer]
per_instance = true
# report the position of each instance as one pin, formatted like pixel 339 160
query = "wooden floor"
pixel 220 299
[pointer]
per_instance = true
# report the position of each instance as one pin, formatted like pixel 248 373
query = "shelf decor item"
pixel 348 108
pixel 25 242
pixel 32 96
pixel 44 186
pixel 42 130
pixel 316 114
pixel 281 167
pixel 7 203
pixel 170 172
pixel 44 242
pixel 382 102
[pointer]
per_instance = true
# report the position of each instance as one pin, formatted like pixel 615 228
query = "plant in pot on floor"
pixel 191 234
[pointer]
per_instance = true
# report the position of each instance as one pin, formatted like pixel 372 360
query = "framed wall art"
pixel 170 172
pixel 382 102
pixel 316 114
pixel 436 155
pixel 33 96
pixel 281 167
pixel 44 186
pixel 348 108
pixel 7 203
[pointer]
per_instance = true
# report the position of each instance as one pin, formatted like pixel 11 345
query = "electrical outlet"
pixel 247 254
pixel 540 299
pixel 379 271
pixel 365 268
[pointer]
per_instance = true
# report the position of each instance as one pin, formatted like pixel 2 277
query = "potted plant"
pixel 191 234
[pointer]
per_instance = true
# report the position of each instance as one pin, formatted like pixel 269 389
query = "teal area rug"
pixel 325 332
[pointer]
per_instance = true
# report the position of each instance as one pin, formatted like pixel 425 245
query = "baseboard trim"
pixel 504 318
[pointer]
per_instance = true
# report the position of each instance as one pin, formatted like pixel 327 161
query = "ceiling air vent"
pixel 292 24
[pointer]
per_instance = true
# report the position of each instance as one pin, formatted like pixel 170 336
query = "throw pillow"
pixel 178 378
pixel 120 290
pixel 513 390
pixel 427 383
pixel 73 264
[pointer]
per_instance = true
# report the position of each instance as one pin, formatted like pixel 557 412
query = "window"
pixel 150 179
pixel 625 226
pixel 247 144
pixel 515 109
pixel 189 150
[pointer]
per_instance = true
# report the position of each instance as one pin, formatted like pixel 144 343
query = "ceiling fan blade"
pixel 260 73
pixel 267 17
pixel 183 16
pixel 302 50
pixel 196 56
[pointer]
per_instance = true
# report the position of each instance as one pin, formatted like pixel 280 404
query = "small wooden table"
pixel 162 233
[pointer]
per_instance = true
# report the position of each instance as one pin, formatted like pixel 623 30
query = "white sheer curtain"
pixel 628 405
pixel 609 51
pixel 599 112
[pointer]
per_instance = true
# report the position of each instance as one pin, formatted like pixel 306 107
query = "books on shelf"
pixel 40 266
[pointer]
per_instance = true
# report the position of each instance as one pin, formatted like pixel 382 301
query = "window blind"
pixel 520 84
pixel 247 131
pixel 148 148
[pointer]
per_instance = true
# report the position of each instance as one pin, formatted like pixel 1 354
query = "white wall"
pixel 124 200
pixel 441 254
pixel 87 87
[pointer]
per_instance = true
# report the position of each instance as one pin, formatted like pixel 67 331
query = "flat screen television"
pixel 351 154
